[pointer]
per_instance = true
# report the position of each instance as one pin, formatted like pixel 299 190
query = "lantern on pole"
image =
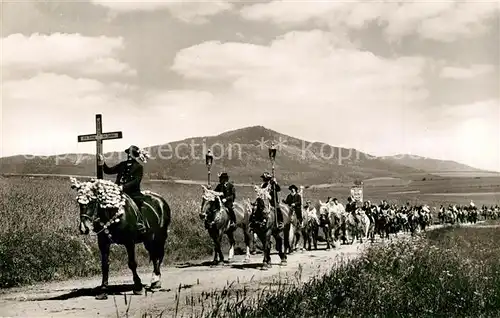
pixel 209 158
pixel 272 156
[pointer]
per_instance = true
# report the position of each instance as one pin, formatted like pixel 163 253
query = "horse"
pixel 330 221
pixel 413 221
pixel 355 229
pixel 292 229
pixel 118 225
pixel 265 226
pixel 217 220
pixel 372 214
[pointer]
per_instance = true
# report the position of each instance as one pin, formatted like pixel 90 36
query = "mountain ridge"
pixel 242 153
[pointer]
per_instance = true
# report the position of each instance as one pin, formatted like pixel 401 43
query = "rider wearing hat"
pixel 351 207
pixel 472 206
pixel 228 197
pixel 268 180
pixel 129 176
pixel 294 200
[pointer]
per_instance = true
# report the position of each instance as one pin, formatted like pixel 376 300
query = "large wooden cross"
pixel 98 137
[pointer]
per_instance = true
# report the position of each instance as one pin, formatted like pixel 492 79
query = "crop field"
pixel 39 238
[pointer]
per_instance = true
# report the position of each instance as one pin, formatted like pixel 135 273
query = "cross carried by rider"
pixel 99 137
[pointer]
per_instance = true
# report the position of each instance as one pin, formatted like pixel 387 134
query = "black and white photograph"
pixel 249 158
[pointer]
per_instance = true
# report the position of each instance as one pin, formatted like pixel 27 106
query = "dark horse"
pixel 265 226
pixel 119 226
pixel 216 219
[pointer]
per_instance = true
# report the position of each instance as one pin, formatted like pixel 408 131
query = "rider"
pixel 384 205
pixel 351 207
pixel 366 207
pixel 294 200
pixel 472 206
pixel 229 194
pixel 268 180
pixel 129 176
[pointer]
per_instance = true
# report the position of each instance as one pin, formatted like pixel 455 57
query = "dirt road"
pixel 75 298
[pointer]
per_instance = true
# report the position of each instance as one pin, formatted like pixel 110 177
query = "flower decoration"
pixel 105 192
pixel 143 155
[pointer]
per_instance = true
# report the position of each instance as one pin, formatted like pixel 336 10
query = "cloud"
pixel 188 11
pixel 466 73
pixel 309 64
pixel 309 75
pixel 45 113
pixel 63 52
pixel 307 84
pixel 468 133
pixel 465 19
pixel 440 21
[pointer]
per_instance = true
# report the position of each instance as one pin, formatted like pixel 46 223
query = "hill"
pixel 446 168
pixel 242 153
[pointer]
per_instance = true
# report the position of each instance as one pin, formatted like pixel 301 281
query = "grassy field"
pixel 39 238
pixel 452 272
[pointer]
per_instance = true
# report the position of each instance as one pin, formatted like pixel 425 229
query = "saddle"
pixel 139 213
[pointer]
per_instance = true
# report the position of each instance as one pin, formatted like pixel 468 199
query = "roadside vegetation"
pixel 449 272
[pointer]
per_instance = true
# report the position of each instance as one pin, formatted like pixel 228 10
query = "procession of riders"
pixel 384 218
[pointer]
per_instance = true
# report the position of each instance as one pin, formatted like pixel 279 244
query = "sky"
pixel 384 77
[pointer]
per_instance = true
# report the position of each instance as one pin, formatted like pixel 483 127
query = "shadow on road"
pixel 92 292
pixel 247 266
pixel 193 264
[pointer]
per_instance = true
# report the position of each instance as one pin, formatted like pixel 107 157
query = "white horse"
pixel 356 228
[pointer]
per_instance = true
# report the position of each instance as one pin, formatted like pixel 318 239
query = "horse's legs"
pixel 279 247
pixel 156 253
pixel 217 239
pixel 266 244
pixel 325 233
pixel 232 242
pixel 248 237
pixel 315 237
pixel 132 264
pixel 104 245
pixel 305 239
pixel 287 242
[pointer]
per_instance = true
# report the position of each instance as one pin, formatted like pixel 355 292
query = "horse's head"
pixel 87 202
pixel 262 199
pixel 210 202
pixel 324 208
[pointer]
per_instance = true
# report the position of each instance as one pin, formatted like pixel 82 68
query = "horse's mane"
pixel 262 193
pixel 105 192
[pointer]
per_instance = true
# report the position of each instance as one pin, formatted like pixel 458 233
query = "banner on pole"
pixel 357 193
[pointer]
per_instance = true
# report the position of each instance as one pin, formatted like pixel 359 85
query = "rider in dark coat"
pixel 228 197
pixel 129 176
pixel 275 188
pixel 294 200
pixel 351 207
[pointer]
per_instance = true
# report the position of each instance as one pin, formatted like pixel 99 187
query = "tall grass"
pixel 450 273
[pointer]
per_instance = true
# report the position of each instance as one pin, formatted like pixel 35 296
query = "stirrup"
pixel 141 228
